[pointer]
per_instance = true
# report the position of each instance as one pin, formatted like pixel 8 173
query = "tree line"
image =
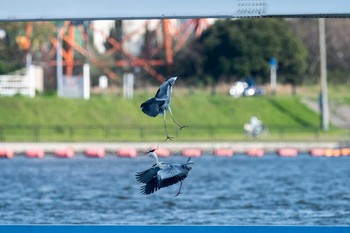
pixel 229 50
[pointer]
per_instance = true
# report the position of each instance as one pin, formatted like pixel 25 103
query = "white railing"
pixel 22 83
pixel 74 86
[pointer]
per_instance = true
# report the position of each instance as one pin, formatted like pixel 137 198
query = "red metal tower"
pixel 173 40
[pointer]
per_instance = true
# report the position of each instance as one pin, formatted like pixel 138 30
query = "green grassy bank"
pixel 113 118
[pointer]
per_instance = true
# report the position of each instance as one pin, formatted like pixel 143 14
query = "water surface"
pixel 218 191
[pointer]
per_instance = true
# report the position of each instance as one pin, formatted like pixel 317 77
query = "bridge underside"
pixel 43 10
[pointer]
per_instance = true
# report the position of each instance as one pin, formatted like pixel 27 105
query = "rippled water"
pixel 218 191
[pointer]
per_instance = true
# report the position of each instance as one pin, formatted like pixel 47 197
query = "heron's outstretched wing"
pixel 149 178
pixel 171 175
pixel 150 187
pixel 147 175
pixel 152 106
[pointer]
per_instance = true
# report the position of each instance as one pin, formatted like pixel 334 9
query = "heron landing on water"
pixel 160 103
pixel 162 175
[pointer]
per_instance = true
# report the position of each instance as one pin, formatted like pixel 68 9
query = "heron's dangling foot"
pixel 168 137
pixel 166 131
pixel 179 192
pixel 172 117
pixel 182 126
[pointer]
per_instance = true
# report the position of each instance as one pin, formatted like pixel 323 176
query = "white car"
pixel 237 90
pixel 242 89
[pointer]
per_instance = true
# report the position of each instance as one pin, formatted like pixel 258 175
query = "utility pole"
pixel 273 74
pixel 59 62
pixel 323 71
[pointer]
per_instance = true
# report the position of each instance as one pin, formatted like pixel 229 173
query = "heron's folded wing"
pixel 152 106
pixel 171 175
pixel 147 175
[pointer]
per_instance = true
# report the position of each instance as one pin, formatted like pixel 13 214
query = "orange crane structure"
pixel 75 53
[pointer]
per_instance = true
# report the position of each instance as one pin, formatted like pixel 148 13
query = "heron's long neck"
pixel 157 160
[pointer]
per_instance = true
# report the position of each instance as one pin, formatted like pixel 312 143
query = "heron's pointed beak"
pixel 151 150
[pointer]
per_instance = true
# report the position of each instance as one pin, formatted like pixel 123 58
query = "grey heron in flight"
pixel 162 175
pixel 160 103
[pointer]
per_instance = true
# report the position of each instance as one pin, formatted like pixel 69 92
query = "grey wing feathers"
pixel 155 178
pixel 147 175
pixel 170 176
pixel 149 178
pixel 170 171
pixel 163 90
pixel 149 187
pixel 152 106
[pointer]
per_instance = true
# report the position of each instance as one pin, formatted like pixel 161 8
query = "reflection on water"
pixel 218 191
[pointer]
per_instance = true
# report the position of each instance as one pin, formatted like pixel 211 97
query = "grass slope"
pixel 218 117
pixel 195 109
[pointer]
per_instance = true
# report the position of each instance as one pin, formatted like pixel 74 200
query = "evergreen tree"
pixel 233 49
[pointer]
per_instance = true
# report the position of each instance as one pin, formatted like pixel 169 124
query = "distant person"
pixel 254 121
pixel 254 127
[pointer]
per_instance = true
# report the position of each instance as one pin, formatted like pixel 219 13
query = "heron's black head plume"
pixel 151 150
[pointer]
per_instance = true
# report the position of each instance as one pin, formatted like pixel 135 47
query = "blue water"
pixel 218 191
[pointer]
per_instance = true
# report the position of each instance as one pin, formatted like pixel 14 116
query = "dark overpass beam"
pixel 34 10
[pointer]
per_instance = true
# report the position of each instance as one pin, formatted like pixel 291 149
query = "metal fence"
pixel 135 133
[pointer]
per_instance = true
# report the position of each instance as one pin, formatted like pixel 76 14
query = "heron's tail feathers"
pixel 152 106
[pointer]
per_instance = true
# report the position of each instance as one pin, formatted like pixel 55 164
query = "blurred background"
pixel 246 88
pixel 84 81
